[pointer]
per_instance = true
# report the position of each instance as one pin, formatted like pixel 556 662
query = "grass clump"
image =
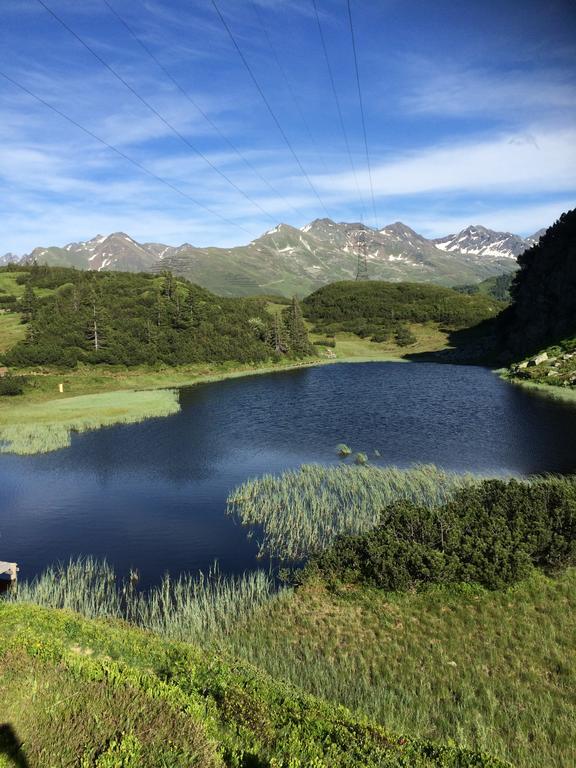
pixel 302 511
pixel 343 450
pixel 42 427
pixel 11 386
pixel 190 608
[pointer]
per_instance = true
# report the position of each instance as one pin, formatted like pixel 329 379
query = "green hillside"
pixel 497 287
pixel 543 310
pixel 95 693
pixel 378 309
pixel 538 331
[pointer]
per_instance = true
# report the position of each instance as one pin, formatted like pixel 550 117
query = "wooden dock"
pixel 8 571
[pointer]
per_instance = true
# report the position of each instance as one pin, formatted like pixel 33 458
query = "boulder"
pixel 539 359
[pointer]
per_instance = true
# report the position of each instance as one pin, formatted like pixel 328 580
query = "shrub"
pixel 404 337
pixel 11 385
pixel 492 534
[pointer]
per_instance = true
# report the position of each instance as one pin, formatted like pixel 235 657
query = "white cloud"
pixel 537 161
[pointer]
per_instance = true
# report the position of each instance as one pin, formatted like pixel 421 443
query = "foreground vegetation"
pixel 493 534
pixel 451 620
pixel 189 608
pixel 108 695
pixel 491 670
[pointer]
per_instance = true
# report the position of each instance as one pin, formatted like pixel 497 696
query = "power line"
pixel 362 112
pixel 195 104
pixel 338 106
pixel 286 79
pixel 152 109
pixel 268 107
pixel 122 154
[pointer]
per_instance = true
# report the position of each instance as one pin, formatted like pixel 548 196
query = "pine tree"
pixel 96 320
pixel 28 304
pixel 277 337
pixel 298 340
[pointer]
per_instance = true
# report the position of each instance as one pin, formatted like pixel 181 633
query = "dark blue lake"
pixel 152 495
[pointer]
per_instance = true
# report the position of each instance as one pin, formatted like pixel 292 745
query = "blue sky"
pixel 469 107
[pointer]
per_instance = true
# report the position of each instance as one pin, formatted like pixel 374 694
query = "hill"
pixel 290 261
pixel 537 333
pixel 107 695
pixel 379 308
pixel 497 287
pixel 118 318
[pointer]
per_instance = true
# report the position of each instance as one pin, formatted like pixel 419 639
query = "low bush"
pixel 491 534
pixel 12 385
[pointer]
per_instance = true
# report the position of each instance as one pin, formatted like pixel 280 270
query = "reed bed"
pixel 200 608
pixel 45 427
pixel 302 511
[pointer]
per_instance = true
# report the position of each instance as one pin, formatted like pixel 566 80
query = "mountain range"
pixel 291 261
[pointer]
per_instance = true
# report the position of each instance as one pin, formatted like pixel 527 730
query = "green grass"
pixel 492 670
pixel 568 394
pixel 302 511
pixel 100 693
pixel 47 426
pixel 429 338
pixel 9 285
pixel 11 330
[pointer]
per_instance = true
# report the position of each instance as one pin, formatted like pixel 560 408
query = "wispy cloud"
pixel 449 90
pixel 536 160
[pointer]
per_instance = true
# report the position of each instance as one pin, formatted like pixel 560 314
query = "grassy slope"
pixel 11 330
pixel 108 695
pixel 493 670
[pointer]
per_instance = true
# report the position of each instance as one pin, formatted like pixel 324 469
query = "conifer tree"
pixel 277 336
pixel 28 304
pixel 297 334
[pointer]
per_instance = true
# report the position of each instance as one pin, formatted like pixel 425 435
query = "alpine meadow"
pixel 287 384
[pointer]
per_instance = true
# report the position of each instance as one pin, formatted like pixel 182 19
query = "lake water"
pixel 152 495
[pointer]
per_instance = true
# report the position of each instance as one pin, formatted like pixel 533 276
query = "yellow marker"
pixel 61 387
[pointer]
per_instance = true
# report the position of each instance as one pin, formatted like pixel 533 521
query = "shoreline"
pixel 565 394
pixel 42 421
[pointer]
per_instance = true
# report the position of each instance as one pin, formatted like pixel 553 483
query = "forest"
pixel 543 309
pixel 128 319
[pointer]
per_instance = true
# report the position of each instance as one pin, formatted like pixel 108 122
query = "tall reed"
pixel 302 511
pixel 191 608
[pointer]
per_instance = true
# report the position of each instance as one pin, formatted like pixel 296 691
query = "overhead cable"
pixel 268 106
pixel 122 154
pixel 152 109
pixel 362 112
pixel 338 105
pixel 196 106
